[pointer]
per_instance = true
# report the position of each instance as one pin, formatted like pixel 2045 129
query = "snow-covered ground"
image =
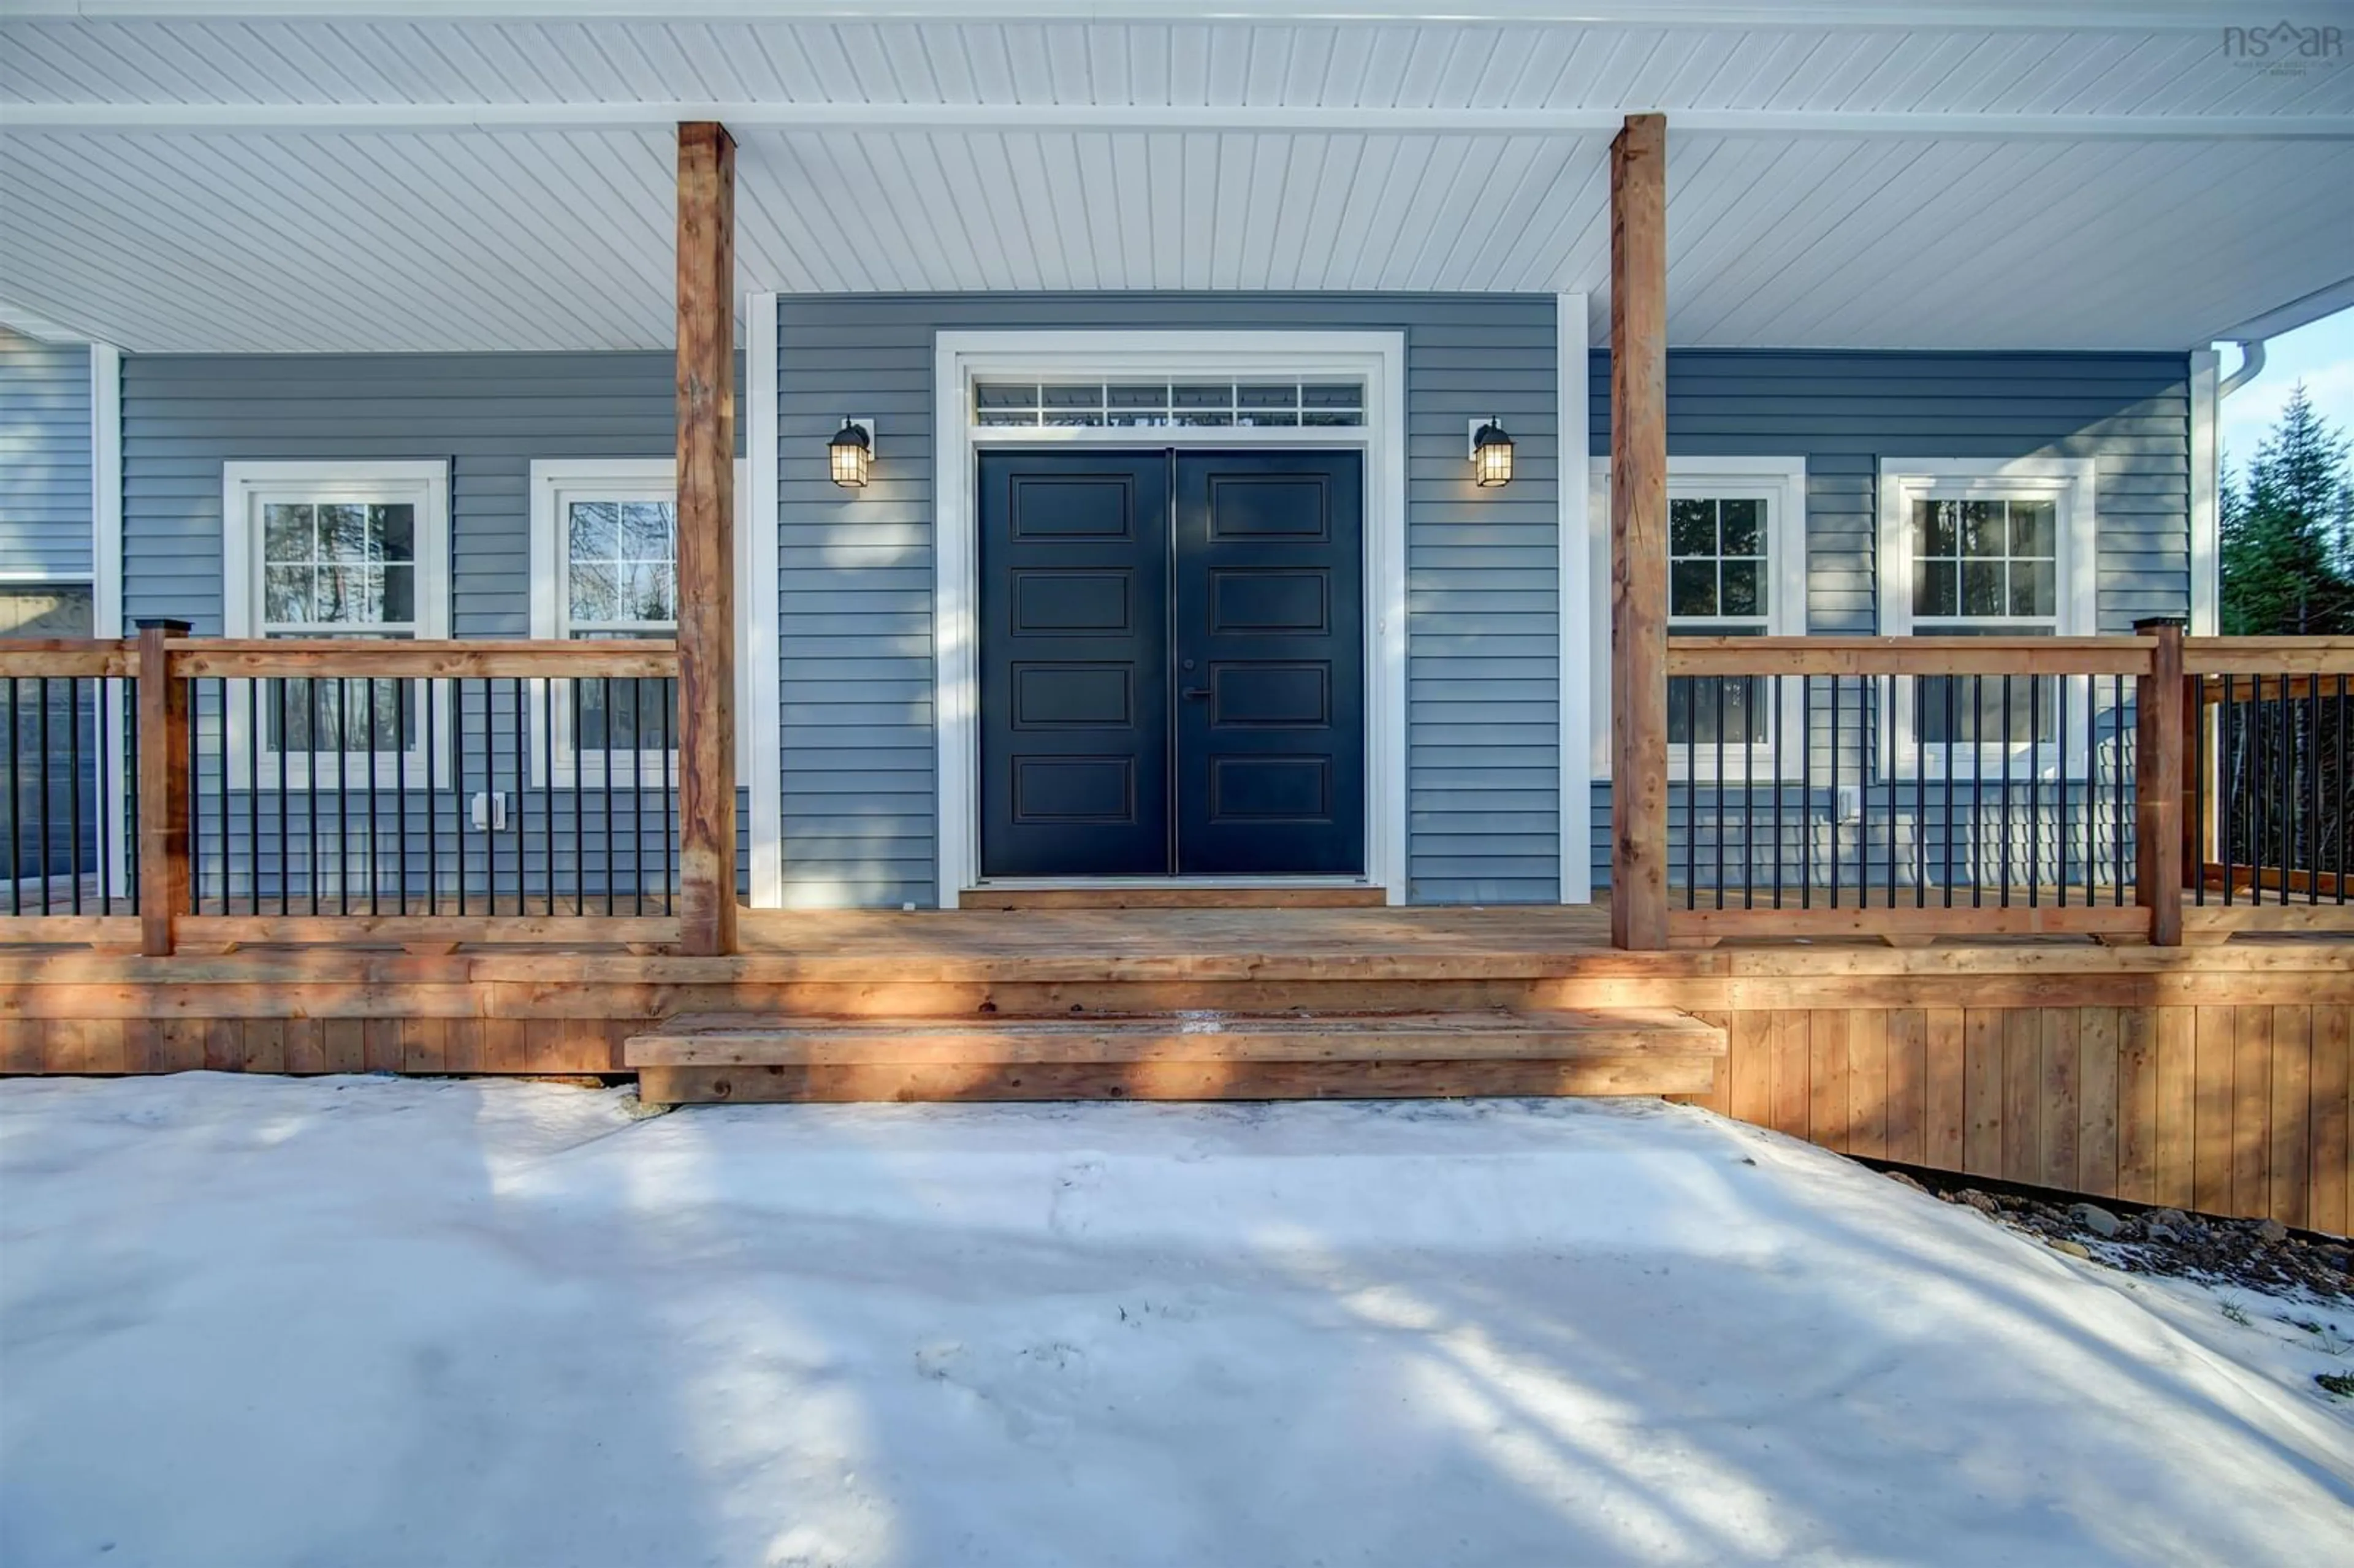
pixel 347 1321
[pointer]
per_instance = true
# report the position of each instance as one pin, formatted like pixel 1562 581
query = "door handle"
pixel 1195 693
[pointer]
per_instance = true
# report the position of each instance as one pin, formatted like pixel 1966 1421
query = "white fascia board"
pixel 1991 15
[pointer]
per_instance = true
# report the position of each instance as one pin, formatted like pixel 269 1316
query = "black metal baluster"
pixel 1781 738
pixel 523 794
pixel 41 805
pixel 1716 792
pixel 548 788
pixel 2227 741
pixel 2122 811
pixel 670 785
pixel 222 687
pixel 400 691
pixel 430 690
pixel 2284 726
pixel 2345 790
pixel 1880 728
pixel 2199 788
pixel 2034 786
pixel 1806 792
pixel 73 791
pixel 2313 789
pixel 252 794
pixel 1920 793
pixel 2003 813
pixel 606 685
pixel 1835 813
pixel 15 806
pixel 1978 792
pixel 461 821
pixel 102 840
pixel 1749 793
pixel 1951 685
pixel 311 790
pixel 579 813
pixel 2060 845
pixel 637 797
pixel 130 776
pixel 1691 799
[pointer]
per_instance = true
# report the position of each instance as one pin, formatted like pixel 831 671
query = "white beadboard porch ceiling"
pixel 2084 175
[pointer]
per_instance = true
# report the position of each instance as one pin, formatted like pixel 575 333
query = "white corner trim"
pixel 106 490
pixel 959 356
pixel 106 585
pixel 1576 767
pixel 757 606
pixel 2206 498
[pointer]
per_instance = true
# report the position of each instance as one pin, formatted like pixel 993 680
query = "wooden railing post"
pixel 1639 543
pixel 706 538
pixel 2158 816
pixel 164 758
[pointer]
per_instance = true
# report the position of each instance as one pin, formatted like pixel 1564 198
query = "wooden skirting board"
pixel 2207 1076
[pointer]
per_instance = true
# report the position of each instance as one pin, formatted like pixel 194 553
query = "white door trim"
pixel 1577 599
pixel 958 357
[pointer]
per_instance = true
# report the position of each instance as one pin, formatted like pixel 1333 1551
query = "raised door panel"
pixel 1270 643
pixel 1074 667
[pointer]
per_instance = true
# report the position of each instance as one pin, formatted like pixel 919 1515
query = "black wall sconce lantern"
pixel 850 451
pixel 1491 453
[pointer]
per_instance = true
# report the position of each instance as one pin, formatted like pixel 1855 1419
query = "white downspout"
pixel 2206 394
pixel 2251 365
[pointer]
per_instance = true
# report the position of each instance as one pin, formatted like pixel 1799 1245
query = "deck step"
pixel 1176 1055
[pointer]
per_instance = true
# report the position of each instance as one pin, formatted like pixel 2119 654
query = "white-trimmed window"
pixel 1736 567
pixel 1989 547
pixel 333 550
pixel 604 552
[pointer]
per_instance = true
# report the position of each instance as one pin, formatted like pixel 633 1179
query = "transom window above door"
pixel 1162 403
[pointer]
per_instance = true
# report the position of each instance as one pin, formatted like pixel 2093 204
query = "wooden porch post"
pixel 706 538
pixel 165 758
pixel 1638 544
pixel 2158 735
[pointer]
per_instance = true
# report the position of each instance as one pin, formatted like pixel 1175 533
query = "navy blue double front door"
pixel 1172 663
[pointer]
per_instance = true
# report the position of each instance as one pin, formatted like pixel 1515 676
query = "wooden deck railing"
pixel 210 791
pixel 2268 839
pixel 2137 788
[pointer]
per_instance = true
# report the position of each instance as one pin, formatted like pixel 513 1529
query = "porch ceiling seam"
pixel 1443 121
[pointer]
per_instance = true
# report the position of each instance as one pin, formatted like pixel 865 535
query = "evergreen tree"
pixel 2288 533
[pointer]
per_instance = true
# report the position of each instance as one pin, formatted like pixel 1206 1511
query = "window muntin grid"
pixel 1718 583
pixel 1141 403
pixel 1985 567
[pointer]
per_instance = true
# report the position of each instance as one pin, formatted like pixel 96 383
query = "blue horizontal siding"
pixel 45 458
pixel 860 798
pixel 1844 411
